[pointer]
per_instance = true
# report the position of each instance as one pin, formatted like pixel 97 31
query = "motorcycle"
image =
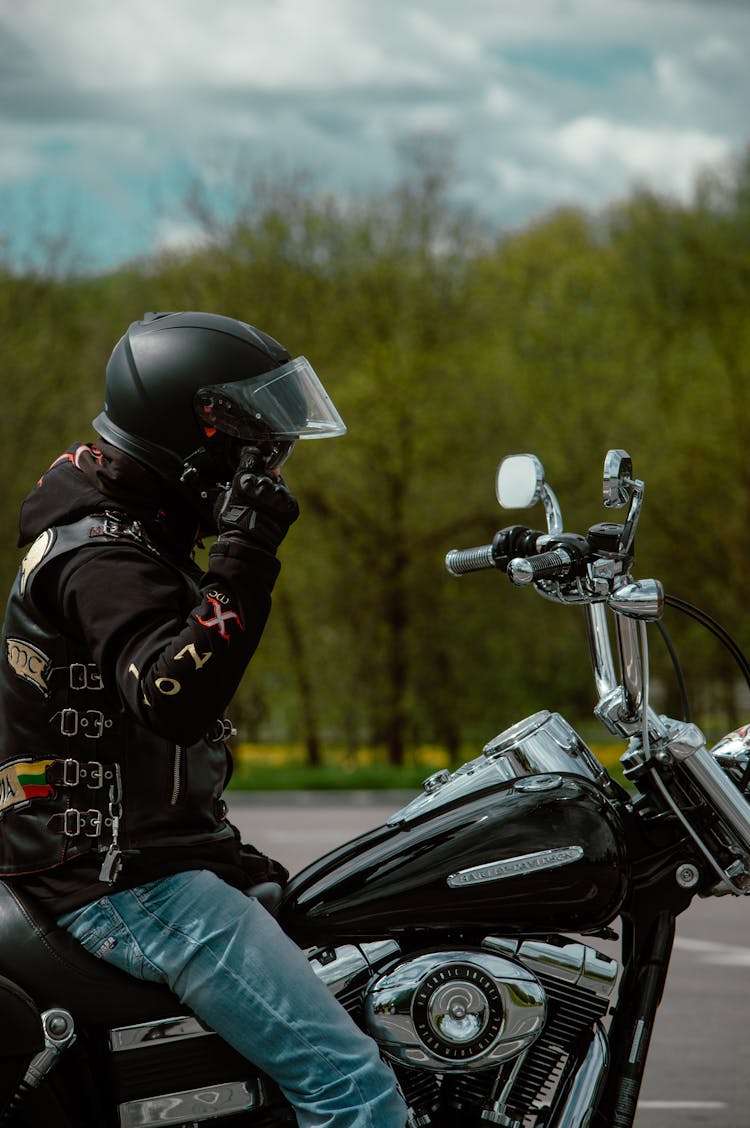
pixel 462 933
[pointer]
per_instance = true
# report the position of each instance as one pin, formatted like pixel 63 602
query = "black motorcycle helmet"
pixel 186 391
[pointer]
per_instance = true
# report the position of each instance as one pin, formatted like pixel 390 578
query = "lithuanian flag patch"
pixel 24 780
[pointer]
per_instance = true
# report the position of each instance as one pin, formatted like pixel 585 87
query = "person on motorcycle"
pixel 119 658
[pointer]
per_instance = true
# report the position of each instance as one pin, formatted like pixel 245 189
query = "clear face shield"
pixel 279 407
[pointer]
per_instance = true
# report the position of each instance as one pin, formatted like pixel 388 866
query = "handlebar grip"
pixel 459 561
pixel 558 564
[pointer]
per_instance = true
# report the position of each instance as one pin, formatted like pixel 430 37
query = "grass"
pixel 264 767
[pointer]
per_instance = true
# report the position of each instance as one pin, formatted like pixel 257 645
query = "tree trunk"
pixel 301 673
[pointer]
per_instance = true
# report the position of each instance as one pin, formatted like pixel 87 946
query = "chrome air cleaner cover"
pixel 455 1010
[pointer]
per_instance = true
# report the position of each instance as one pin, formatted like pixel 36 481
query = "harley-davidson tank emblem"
pixel 512 867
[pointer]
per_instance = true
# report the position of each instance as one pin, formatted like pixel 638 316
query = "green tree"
pixel 446 345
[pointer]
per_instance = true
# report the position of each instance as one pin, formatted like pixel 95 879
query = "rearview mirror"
pixel 618 474
pixel 519 482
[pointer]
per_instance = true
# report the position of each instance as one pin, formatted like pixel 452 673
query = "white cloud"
pixel 522 179
pixel 612 152
pixel 548 99
pixel 591 160
pixel 455 45
pixel 674 80
pixel 500 101
pixel 717 49
pixel 193 44
pixel 174 234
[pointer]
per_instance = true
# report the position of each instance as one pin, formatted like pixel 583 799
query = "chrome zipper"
pixel 177 775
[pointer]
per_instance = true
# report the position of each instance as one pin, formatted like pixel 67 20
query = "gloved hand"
pixel 256 505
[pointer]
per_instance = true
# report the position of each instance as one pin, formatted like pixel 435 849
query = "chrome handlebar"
pixel 565 569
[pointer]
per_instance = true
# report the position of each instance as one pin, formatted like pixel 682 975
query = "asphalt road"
pixel 699 1068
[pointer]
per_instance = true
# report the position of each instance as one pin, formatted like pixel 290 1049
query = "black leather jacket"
pixel 118 660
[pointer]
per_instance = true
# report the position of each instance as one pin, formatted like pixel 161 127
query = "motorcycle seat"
pixel 21 1028
pixel 48 963
pixel 56 971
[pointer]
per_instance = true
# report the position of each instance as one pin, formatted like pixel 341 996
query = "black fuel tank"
pixel 514 853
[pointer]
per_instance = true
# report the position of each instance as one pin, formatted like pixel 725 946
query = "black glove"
pixel 256 505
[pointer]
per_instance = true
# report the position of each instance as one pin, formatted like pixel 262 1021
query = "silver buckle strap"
pixel 84 675
pixel 91 723
pixel 76 824
pixel 80 773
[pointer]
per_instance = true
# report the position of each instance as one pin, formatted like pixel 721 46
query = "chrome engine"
pixel 495 1032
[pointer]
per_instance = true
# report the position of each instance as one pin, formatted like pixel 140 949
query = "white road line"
pixel 712 952
pixel 681 1104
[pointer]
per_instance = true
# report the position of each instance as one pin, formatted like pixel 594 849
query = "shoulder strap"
pixel 110 526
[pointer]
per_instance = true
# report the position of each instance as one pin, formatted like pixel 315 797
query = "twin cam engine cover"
pixel 455 1010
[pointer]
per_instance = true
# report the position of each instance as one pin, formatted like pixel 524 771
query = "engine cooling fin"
pixel 572 1013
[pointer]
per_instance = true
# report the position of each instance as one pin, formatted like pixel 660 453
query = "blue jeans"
pixel 228 960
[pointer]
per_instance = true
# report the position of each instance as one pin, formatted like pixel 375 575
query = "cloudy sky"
pixel 107 109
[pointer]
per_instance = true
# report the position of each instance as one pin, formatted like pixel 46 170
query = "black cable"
pixel 686 713
pixel 726 639
pixel 715 628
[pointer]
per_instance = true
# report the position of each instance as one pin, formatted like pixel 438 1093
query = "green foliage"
pixel 446 346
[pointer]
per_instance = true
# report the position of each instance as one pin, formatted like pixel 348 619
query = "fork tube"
pixel 630 665
pixel 600 648
pixel 639 995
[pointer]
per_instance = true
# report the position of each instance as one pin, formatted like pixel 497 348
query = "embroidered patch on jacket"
pixel 22 781
pixel 220 617
pixel 28 663
pixel 34 557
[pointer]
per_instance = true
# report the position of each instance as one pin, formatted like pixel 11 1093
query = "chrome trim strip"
pixel 512 867
pixel 191 1106
pixel 167 1029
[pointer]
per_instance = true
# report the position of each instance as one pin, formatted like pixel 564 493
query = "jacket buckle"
pixel 84 676
pixel 71 824
pixel 76 823
pixel 95 775
pixel 95 829
pixel 92 722
pixel 69 721
pixel 220 731
pixel 71 773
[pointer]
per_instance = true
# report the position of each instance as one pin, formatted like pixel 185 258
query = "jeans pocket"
pixel 100 929
pixel 93 926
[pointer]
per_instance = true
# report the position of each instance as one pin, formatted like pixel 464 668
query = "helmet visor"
pixel 290 401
